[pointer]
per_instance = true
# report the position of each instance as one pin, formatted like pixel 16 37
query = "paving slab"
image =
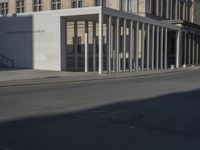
pixel 32 77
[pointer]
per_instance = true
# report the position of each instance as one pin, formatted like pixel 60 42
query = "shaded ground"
pixel 156 113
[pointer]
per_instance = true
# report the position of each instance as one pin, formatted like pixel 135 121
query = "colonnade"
pixel 137 46
pixel 191 49
pixel 115 44
pixel 171 9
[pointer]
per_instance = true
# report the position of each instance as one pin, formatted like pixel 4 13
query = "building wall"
pixel 196 12
pixel 153 8
pixel 31 41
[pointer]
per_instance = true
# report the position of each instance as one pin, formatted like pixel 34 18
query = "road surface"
pixel 160 112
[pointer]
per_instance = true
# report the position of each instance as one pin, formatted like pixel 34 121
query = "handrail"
pixel 6 61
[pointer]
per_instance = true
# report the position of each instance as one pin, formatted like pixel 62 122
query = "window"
pixel 123 4
pixel 96 2
pixel 19 6
pixel 181 10
pixel 153 7
pixel 74 4
pixel 4 8
pixel 77 3
pixel 56 4
pixel 80 4
pixel 37 5
pixel 164 7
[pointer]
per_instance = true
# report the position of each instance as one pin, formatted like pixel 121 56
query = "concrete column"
pixel 142 44
pixel 112 49
pixel 109 43
pixel 157 47
pixel 63 44
pixel 189 49
pixel 193 50
pixel 162 48
pixel 185 48
pixel 94 46
pixel 178 35
pixel 197 50
pixel 148 45
pixel 100 43
pixel 153 47
pixel 131 47
pixel 117 44
pixel 166 47
pixel 75 42
pixel 137 47
pixel 124 48
pixel 86 47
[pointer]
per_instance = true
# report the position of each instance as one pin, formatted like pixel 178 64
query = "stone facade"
pixel 196 12
pixel 187 10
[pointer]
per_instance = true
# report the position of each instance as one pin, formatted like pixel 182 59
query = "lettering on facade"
pixel 24 32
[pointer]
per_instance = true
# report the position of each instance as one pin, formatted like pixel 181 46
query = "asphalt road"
pixel 160 112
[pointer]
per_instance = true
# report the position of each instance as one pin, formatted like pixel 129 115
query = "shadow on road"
pixel 170 122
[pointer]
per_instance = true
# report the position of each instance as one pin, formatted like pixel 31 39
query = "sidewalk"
pixel 33 77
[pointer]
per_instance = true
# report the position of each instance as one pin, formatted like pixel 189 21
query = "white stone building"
pixel 101 36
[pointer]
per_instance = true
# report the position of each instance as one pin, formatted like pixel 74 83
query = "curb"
pixel 30 82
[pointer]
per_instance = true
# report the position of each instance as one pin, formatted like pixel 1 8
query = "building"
pixel 101 36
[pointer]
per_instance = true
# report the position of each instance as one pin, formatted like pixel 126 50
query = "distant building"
pixel 100 35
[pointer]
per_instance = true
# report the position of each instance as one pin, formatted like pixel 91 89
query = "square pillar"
pixel 118 45
pixel 94 46
pixel 86 47
pixel 142 44
pixel 131 47
pixel 197 50
pixel 166 47
pixel 157 47
pixel 137 47
pixel 153 47
pixel 63 44
pixel 124 48
pixel 189 50
pixel 100 43
pixel 75 42
pixel 148 45
pixel 193 49
pixel 109 43
pixel 162 48
pixel 185 48
pixel 178 42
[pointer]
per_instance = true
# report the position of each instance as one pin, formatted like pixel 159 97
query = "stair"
pixel 6 63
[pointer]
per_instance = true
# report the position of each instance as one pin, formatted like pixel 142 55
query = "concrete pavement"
pixel 32 77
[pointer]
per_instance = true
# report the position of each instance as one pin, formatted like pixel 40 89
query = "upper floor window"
pixel 4 8
pixel 77 3
pixel 56 4
pixel 96 2
pixel 124 4
pixel 37 5
pixel 19 6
